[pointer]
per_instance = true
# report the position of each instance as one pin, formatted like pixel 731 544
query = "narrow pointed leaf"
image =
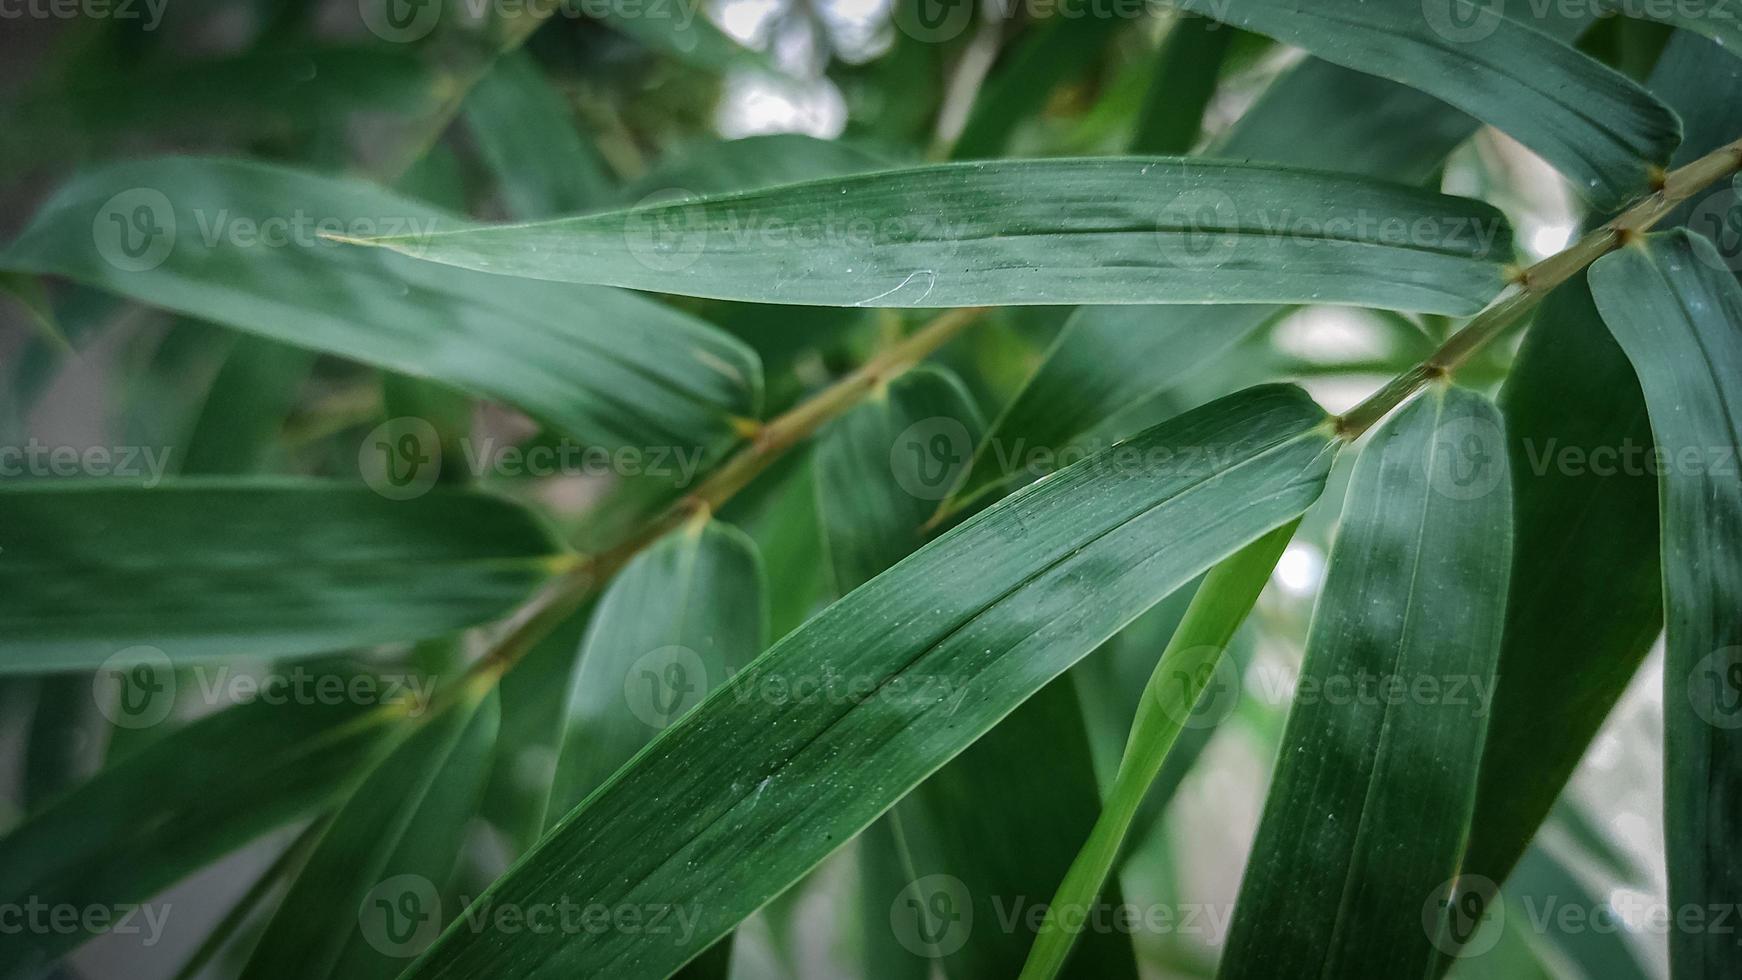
pixel 527 134
pixel 201 569
pixel 1370 804
pixel 173 807
pixel 1180 679
pixel 1676 309
pixel 1600 129
pixel 237 243
pixel 1111 231
pixel 1173 110
pixel 822 733
pixel 1586 599
pixel 998 824
pixel 686 614
pixel 372 886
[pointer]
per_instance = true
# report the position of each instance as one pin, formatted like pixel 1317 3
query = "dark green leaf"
pixel 527 134
pixel 369 897
pixel 1111 230
pixel 1371 801
pixel 1676 309
pixel 1592 123
pixel 236 243
pixel 686 614
pixel 720 166
pixel 171 808
pixel 1050 52
pixel 1190 60
pixel 821 734
pixel 202 569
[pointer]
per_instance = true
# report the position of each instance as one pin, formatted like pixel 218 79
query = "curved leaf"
pixel 1676 309
pixel 822 733
pixel 1592 123
pixel 178 804
pixel 236 243
pixel 1375 782
pixel 1111 231
pixel 372 885
pixel 202 569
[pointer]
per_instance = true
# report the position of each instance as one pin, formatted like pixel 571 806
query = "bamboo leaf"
pixel 527 134
pixel 174 806
pixel 686 614
pixel 236 243
pixel 371 888
pixel 1592 123
pixel 822 733
pixel 1371 800
pixel 202 570
pixel 1676 309
pixel 1049 53
pixel 1110 231
pixel 996 826
pixel 1181 678
pixel 1173 110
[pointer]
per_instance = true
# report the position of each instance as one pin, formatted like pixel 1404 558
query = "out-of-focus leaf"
pixel 1592 123
pixel 203 569
pixel 527 134
pixel 237 243
pixel 1048 54
pixel 998 824
pixel 1718 20
pixel 245 407
pixel 229 933
pixel 27 292
pixel 146 822
pixel 681 31
pixel 1190 60
pixel 1043 232
pixel 686 615
pixel 1181 678
pixel 369 897
pixel 721 166
pixel 1676 309
pixel 1375 782
pixel 822 733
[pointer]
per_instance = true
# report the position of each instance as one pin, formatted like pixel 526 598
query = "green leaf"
pixel 1586 596
pixel 1595 125
pixel 997 826
pixel 719 166
pixel 161 813
pixel 236 243
pixel 1583 604
pixel 369 897
pixel 1371 800
pixel 687 614
pixel 527 134
pixel 203 570
pixel 27 292
pixel 246 406
pixel 1047 232
pixel 822 733
pixel 1718 20
pixel 1190 61
pixel 1676 309
pixel 1050 53
pixel 1181 677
